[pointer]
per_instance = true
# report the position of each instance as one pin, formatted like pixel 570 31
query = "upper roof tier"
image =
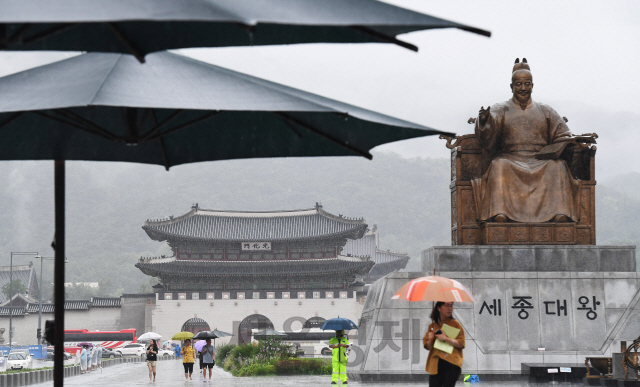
pixel 239 226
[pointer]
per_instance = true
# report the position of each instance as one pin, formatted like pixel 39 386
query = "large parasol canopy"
pixel 139 27
pixel 174 110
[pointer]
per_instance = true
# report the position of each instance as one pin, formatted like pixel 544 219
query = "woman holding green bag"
pixel 444 341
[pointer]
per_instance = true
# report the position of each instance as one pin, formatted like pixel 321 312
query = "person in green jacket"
pixel 339 345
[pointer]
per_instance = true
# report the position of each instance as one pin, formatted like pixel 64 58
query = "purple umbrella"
pixel 198 346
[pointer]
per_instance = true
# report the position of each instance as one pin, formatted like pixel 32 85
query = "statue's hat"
pixel 521 66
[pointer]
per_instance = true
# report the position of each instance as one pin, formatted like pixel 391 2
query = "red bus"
pixel 106 339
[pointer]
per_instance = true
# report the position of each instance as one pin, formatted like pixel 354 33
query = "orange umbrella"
pixel 434 288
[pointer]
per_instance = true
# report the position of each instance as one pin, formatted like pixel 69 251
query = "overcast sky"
pixel 583 55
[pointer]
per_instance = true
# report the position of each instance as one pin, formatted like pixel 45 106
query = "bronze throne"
pixel 469 161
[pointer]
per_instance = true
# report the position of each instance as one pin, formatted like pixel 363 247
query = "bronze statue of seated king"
pixel 522 177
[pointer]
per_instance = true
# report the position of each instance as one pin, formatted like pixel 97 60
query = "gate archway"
pixel 195 325
pixel 314 322
pixel 254 321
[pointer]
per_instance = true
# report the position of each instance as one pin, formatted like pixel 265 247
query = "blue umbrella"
pixel 339 324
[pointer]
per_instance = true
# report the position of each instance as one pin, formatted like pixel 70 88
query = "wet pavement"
pixel 171 373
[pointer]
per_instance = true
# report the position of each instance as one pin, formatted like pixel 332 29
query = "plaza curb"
pixel 19 379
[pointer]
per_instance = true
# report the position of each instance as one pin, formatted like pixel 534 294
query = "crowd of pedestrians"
pixel 90 358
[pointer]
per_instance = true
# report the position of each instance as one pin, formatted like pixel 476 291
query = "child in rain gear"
pixel 339 345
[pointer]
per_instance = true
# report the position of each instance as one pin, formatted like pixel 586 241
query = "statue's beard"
pixel 523 99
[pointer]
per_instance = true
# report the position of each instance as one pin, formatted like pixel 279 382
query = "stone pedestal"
pixel 535 304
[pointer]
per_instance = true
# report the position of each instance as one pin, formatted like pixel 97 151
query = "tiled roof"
pixel 338 265
pixel 77 304
pixel 17 311
pixel 383 256
pixel 19 300
pixel 213 225
pixel 139 295
pixel 367 246
pixel 363 247
pixel 95 302
pixel 25 273
pixel 46 308
pixel 105 302
pixel 382 269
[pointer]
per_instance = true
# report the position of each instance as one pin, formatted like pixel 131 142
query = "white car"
pixel 18 361
pixel 134 349
pixel 165 353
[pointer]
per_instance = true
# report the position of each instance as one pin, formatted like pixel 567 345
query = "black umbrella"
pixel 169 111
pixel 205 335
pixel 139 27
pixel 214 334
pixel 174 110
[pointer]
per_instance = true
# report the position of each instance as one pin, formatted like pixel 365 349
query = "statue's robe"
pixel 517 184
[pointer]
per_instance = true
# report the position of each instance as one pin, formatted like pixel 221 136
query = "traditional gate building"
pixel 277 269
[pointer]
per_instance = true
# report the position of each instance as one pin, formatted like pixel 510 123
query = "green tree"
pixel 15 287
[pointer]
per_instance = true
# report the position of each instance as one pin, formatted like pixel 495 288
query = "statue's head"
pixel 521 81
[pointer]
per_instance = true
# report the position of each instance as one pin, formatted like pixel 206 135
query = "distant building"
pixel 251 261
pixel 93 285
pixel 26 274
pixel 94 314
pixel 385 261
pixel 239 272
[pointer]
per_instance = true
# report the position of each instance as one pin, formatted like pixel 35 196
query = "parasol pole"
pixel 58 279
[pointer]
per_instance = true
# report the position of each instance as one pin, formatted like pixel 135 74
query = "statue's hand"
pixel 483 115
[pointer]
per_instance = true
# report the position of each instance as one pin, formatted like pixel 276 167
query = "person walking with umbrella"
pixel 445 350
pixel 208 353
pixel 445 336
pixel 152 358
pixel 188 358
pixel 339 345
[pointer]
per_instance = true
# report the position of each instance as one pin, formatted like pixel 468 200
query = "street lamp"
pixel 42 259
pixel 11 295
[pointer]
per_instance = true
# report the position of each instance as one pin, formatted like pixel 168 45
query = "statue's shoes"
pixel 500 218
pixel 560 218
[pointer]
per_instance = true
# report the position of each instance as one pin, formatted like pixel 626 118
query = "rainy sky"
pixel 583 56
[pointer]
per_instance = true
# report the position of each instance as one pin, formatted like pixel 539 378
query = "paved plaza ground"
pixel 170 373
